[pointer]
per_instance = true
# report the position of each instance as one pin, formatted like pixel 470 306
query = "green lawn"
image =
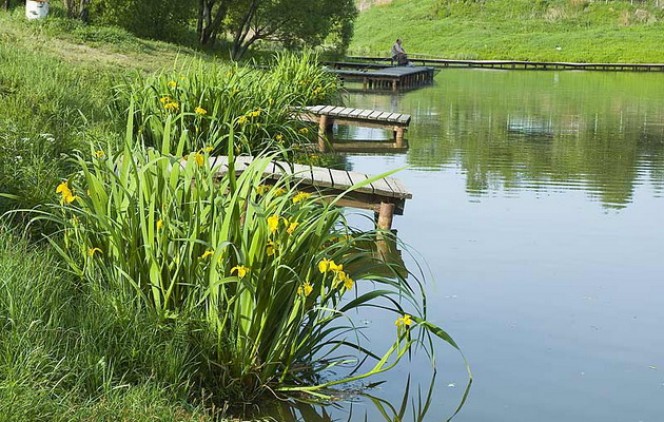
pixel 544 30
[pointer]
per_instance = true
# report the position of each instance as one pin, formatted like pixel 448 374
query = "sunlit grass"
pixel 553 30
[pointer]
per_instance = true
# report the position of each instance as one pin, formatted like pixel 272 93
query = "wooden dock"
pixel 326 116
pixel 362 62
pixel 385 77
pixel 386 196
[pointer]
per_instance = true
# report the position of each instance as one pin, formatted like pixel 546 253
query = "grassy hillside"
pixel 551 30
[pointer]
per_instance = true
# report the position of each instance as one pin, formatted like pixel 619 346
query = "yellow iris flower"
pixel 301 196
pixel 305 289
pixel 404 321
pixel 273 223
pixel 67 195
pixel 200 159
pixel 241 271
pixel 271 248
pixel 262 189
pixel 336 267
pixel 292 228
pixel 172 106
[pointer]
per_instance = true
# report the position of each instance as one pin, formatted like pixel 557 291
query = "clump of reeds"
pixel 205 101
pixel 264 271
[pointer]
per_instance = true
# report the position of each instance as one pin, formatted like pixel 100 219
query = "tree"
pixel 290 22
pixel 211 14
pixel 77 8
pixel 158 19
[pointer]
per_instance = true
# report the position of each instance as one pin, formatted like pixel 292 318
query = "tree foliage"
pixel 163 19
pixel 291 22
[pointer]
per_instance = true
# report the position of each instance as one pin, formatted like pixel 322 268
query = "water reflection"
pixel 537 202
pixel 602 133
pixel 367 404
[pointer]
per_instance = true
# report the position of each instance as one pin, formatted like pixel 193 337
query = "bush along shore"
pixel 136 281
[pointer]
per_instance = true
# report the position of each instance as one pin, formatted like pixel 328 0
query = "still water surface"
pixel 538 206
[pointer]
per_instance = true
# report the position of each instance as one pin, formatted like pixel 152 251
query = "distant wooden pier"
pixel 363 61
pixel 385 196
pixel 385 77
pixel 326 116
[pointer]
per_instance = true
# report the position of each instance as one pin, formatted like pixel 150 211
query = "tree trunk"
pixel 241 33
pixel 209 20
pixel 6 4
pixel 83 11
pixel 70 7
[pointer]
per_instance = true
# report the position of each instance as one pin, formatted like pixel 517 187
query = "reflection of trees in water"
pixel 602 133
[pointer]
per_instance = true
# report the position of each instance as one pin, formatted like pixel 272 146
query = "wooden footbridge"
pixel 326 116
pixel 363 62
pixel 385 77
pixel 385 196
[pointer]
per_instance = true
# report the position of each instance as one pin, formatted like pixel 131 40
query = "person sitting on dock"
pixel 399 54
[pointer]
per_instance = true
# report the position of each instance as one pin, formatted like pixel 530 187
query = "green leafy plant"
pixel 265 270
pixel 205 101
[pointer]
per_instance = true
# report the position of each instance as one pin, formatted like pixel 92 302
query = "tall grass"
pixel 205 101
pixel 71 352
pixel 47 108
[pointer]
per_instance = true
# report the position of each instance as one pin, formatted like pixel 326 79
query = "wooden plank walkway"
pixel 326 116
pixel 510 64
pixel 386 196
pixel 394 78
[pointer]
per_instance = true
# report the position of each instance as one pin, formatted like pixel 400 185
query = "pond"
pixel 538 211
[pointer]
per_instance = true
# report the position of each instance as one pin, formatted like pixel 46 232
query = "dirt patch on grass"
pixel 363 5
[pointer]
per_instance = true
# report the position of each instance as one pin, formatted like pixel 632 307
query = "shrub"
pixel 164 20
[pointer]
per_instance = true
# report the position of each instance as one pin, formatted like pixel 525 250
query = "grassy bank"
pixel 545 30
pixel 136 282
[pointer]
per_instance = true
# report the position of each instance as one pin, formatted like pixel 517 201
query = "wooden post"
pixel 322 127
pixel 399 137
pixel 382 246
pixel 394 85
pixel 366 83
pixel 385 215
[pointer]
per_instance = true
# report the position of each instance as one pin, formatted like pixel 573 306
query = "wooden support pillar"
pixel 394 85
pixel 322 127
pixel 385 215
pixel 366 83
pixel 399 137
